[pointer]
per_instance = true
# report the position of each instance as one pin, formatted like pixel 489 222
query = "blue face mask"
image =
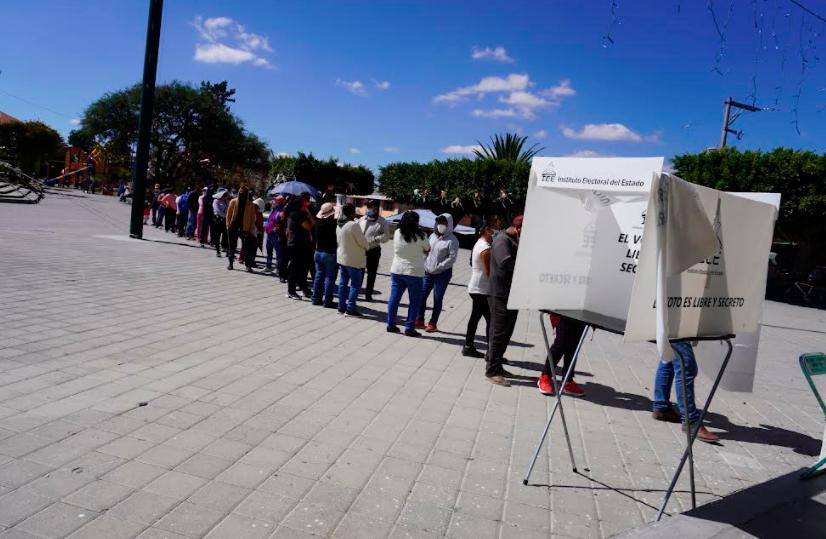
pixel 372 214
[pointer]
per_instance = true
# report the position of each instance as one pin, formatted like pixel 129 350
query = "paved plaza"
pixel 146 391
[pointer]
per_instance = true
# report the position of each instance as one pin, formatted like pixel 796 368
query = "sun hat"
pixel 260 203
pixel 221 193
pixel 327 209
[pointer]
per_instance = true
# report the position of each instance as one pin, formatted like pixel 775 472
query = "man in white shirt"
pixel 376 231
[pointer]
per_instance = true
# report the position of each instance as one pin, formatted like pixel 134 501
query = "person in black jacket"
pixel 326 268
pixel 299 248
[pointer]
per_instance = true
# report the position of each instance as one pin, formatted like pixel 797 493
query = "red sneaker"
pixel 419 324
pixel 431 328
pixel 572 389
pixel 544 384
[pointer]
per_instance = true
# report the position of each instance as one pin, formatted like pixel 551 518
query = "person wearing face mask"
pixel 376 231
pixel 240 225
pixel 444 248
pixel 502 319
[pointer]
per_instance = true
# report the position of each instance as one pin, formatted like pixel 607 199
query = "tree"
pixel 195 137
pixel 798 175
pixel 29 144
pixel 507 147
pixel 354 179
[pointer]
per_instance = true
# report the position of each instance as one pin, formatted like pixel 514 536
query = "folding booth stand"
pixel 595 321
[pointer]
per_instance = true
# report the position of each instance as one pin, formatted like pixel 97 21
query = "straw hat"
pixel 260 203
pixel 327 210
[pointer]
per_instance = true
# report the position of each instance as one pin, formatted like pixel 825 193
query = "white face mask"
pixel 441 228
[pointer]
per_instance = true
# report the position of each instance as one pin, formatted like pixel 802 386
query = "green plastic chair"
pixel 813 365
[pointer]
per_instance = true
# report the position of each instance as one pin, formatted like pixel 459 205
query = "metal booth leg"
pixel 693 432
pixel 558 403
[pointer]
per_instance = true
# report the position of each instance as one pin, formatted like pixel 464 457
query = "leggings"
pixel 481 309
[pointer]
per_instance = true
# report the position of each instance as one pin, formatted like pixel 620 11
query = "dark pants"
pixel 232 244
pixel 181 223
pixel 568 333
pixel 373 257
pixel 282 259
pixel 298 270
pixel 219 234
pixel 206 228
pixel 169 219
pixel 502 323
pixel 156 220
pixel 480 309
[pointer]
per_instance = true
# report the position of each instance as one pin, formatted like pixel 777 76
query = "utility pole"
pixel 728 120
pixel 150 69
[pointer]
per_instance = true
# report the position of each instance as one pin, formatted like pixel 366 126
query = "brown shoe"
pixel 704 435
pixel 669 416
pixel 499 380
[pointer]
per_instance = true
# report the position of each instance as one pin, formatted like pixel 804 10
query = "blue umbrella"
pixel 295 188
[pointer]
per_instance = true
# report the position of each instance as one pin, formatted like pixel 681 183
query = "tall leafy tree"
pixel 347 178
pixel 195 136
pixel 507 147
pixel 800 177
pixel 28 144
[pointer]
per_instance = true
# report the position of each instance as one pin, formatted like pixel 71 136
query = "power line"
pixel 24 100
pixel 807 10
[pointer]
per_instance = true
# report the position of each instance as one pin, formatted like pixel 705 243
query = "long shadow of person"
pixel 763 434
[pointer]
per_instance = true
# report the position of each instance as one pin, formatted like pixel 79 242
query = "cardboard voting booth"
pixel 617 244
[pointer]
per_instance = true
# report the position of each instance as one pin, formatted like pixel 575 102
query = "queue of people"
pixel 310 250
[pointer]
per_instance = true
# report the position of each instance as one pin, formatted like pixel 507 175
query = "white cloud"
pixel 459 149
pixel 381 84
pixel 354 151
pixel 391 149
pixel 218 53
pixel 512 83
pixel 75 121
pixel 586 153
pixel 499 54
pixel 355 87
pixel 610 132
pixel 563 89
pixel 541 134
pixel 495 113
pixel 225 41
pixel 522 102
pixel 283 154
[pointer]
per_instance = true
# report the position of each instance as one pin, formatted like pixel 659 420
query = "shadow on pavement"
pixel 780 507
pixel 764 434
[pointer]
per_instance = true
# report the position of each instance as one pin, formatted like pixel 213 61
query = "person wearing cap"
pixel 240 224
pixel 326 267
pixel 502 319
pixel 273 230
pixel 377 231
pixel 351 255
pixel 218 234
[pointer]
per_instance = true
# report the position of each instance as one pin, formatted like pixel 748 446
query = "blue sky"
pixel 376 82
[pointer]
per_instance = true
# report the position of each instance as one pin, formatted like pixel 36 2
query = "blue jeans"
pixel 437 283
pixel 398 284
pixel 666 372
pixel 324 283
pixel 192 221
pixel 348 287
pixel 273 245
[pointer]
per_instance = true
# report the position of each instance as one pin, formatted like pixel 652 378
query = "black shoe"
pixel 354 313
pixel 469 351
pixel 368 298
pixel 292 295
pixel 393 329
pixel 330 306
pixel 229 267
pixel 412 333
pixel 218 254
pixel 249 269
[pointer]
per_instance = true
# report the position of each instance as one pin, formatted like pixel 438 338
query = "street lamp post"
pixel 150 69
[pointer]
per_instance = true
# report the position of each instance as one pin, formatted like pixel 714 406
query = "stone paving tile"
pixel 354 433
pixel 57 520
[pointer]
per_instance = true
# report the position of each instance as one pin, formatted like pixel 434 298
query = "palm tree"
pixel 508 148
